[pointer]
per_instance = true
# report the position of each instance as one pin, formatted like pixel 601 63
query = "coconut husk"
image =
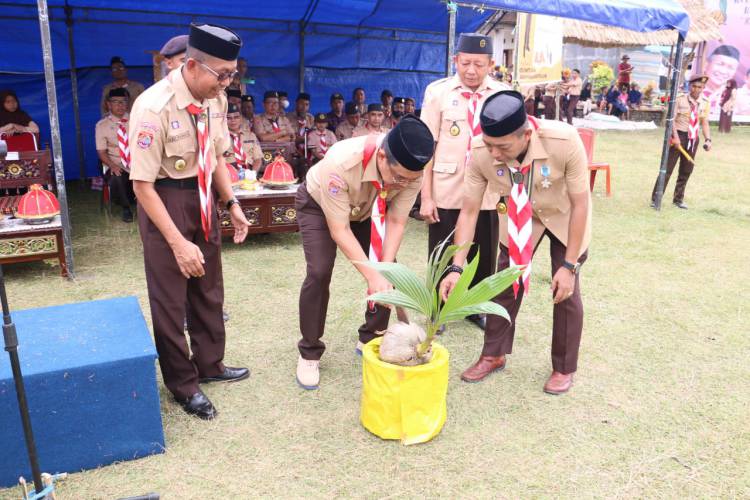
pixel 401 343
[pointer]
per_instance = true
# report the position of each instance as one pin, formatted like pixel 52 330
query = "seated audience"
pixel 120 80
pixel 353 120
pixel 272 125
pixel 634 96
pixel 336 115
pixel 13 119
pixel 320 138
pixel 245 149
pixel 410 107
pixel 374 123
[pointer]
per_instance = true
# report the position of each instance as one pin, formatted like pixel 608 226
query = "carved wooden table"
pixel 267 210
pixel 21 242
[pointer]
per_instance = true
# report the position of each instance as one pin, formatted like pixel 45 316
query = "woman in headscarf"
pixel 13 120
pixel 728 98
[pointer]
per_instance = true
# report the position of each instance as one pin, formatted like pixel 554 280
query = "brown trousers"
pixel 567 316
pixel 121 190
pixel 568 108
pixel 320 256
pixel 686 168
pixel 485 238
pixel 549 107
pixel 169 293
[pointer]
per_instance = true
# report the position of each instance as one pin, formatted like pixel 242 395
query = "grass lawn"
pixel 660 406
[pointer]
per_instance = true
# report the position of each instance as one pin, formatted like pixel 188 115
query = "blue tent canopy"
pixel 374 44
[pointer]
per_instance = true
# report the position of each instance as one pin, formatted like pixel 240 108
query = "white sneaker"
pixel 308 373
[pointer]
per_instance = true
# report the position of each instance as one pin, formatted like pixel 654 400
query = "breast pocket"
pixel 179 155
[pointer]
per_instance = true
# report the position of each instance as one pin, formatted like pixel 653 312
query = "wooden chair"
pixel 587 136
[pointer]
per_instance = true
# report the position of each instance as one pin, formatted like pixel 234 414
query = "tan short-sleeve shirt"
pixel 559 167
pixel 344 131
pixel 574 86
pixel 313 139
pixel 366 130
pixel 297 122
pixel 263 124
pixel 106 136
pixel 134 89
pixel 445 111
pixel 162 135
pixel 343 188
pixel 683 105
pixel 250 144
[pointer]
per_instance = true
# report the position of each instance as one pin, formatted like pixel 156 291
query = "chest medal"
pixel 501 207
pixel 454 130
pixel 545 177
pixel 179 165
pixel 355 211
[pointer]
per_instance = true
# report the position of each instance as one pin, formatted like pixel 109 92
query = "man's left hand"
pixel 563 285
pixel 240 223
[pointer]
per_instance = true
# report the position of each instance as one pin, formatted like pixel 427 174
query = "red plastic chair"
pixel 21 142
pixel 587 137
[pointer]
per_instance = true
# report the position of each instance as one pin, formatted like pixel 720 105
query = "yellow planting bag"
pixel 404 402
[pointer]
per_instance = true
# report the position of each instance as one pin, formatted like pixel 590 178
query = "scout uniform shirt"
pixel 313 139
pixel 251 146
pixel 345 130
pixel 560 167
pixel 445 111
pixel 365 129
pixel 297 122
pixel 106 137
pixel 134 89
pixel 262 124
pixel 162 136
pixel 682 111
pixel 573 87
pixel 343 188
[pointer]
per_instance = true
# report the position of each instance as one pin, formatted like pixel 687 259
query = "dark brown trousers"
pixel 549 107
pixel 320 256
pixel 169 293
pixel 686 168
pixel 567 316
pixel 121 190
pixel 568 108
pixel 485 238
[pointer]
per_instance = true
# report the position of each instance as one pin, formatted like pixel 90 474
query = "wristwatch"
pixel 232 201
pixel 573 268
pixel 454 269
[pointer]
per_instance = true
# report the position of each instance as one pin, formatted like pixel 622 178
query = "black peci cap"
pixel 474 43
pixel 303 96
pixel 215 41
pixel 411 143
pixel 336 96
pixel 270 94
pixel 175 45
pixel 283 94
pixel 374 107
pixel 399 100
pixel 233 108
pixel 502 113
pixel 386 93
pixel 248 98
pixel 116 59
pixel 118 92
pixel 234 93
pixel 351 109
pixel 321 118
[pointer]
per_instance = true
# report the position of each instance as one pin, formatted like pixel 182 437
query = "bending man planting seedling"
pixel 356 199
pixel 539 170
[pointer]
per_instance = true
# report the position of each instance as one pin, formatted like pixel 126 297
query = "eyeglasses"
pixel 227 75
pixel 118 101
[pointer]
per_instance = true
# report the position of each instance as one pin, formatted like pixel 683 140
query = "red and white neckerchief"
pixel 275 124
pixel 200 119
pixel 693 125
pixel 123 145
pixel 377 216
pixel 302 124
pixel 239 151
pixel 520 249
pixel 472 115
pixel 323 142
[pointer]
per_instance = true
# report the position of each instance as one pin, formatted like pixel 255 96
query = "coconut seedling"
pixel 409 344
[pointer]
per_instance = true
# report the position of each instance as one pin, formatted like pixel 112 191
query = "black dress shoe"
pixel 230 375
pixel 680 204
pixel 127 215
pixel 478 319
pixel 199 405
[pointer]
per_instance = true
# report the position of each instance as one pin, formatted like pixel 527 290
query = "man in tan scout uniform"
pixel 374 175
pixel 345 130
pixel 374 122
pixel 272 125
pixel 120 80
pixel 244 149
pixel 691 114
pixel 540 171
pixel 320 139
pixel 113 149
pixel 450 106
pixel 301 119
pixel 178 136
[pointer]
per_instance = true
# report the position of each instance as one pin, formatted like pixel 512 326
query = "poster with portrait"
pixel 727 62
pixel 540 46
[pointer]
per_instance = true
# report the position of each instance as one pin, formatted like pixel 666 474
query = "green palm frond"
pixel 407 282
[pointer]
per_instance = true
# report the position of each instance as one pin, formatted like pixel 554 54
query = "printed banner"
pixel 540 48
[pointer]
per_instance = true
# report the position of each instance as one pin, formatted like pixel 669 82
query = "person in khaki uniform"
pixel 320 139
pixel 247 109
pixel 244 148
pixel 173 53
pixel 572 93
pixel 449 106
pixel 272 126
pixel 336 115
pixel 410 106
pixel 113 150
pixel 334 207
pixel 398 108
pixel 373 123
pixel 550 92
pixel 540 171
pixel 178 136
pixel 120 80
pixel 691 114
pixel 345 130
pixel 301 119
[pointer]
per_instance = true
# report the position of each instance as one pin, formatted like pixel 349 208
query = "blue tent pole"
pixel 301 56
pixel 676 67
pixel 54 125
pixel 451 38
pixel 74 87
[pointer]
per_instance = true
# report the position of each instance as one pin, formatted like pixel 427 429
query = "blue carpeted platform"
pixel 90 378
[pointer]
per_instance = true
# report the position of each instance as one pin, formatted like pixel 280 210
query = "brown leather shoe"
pixel 558 383
pixel 483 367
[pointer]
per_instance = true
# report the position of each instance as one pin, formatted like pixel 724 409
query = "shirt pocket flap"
pixel 445 167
